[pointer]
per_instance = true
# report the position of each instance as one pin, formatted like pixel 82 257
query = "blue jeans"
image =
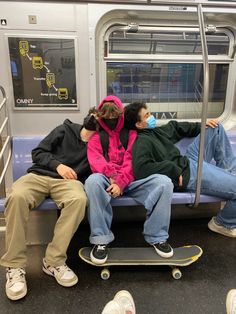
pixel 218 179
pixel 154 192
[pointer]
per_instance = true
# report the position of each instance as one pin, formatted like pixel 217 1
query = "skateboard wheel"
pixel 105 274
pixel 176 273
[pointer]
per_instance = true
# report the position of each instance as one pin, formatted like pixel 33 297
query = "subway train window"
pixel 162 66
pixel 43 72
pixel 171 90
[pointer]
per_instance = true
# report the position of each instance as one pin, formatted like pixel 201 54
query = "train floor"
pixel 202 288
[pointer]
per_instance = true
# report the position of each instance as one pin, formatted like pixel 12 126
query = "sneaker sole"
pixel 212 227
pixel 62 283
pixel 164 255
pixel 126 294
pixel 16 297
pixel 97 261
pixel 229 309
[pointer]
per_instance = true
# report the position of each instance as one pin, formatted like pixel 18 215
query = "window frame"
pixel 171 59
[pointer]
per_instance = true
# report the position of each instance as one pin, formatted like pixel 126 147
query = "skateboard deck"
pixel 183 256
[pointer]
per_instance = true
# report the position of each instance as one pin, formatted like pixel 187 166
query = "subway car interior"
pixel 58 60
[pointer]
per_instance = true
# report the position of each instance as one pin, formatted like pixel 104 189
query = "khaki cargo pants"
pixel 28 192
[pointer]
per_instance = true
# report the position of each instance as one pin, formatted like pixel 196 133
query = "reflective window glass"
pixel 169 88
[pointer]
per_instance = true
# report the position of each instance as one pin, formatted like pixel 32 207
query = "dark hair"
pixel 132 114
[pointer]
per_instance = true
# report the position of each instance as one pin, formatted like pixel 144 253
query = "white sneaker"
pixel 112 307
pixel 213 225
pixel 126 302
pixel 16 287
pixel 63 274
pixel 231 302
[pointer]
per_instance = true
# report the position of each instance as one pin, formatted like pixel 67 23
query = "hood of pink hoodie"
pixel 120 122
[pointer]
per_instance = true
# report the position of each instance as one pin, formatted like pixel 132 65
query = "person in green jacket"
pixel 155 152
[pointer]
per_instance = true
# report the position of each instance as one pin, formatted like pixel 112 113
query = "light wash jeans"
pixel 154 192
pixel 219 179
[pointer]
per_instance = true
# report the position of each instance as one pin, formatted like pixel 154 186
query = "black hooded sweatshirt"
pixel 62 146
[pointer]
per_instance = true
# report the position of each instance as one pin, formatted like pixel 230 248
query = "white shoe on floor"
pixel 112 307
pixel 63 274
pixel 231 302
pixel 214 226
pixel 126 302
pixel 16 287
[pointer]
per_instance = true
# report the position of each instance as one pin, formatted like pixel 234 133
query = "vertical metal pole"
pixel 204 104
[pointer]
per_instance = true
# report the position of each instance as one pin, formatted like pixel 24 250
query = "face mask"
pixel 111 123
pixel 151 122
pixel 90 123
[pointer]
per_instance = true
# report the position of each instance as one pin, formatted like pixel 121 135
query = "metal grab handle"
pixel 204 104
pixel 4 97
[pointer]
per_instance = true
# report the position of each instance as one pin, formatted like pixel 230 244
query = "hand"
pixel 114 190
pixel 66 172
pixel 112 180
pixel 181 180
pixel 211 123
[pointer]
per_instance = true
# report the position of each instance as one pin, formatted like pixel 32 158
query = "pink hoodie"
pixel 119 166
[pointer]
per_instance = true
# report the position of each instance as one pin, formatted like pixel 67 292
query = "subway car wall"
pixel 58 65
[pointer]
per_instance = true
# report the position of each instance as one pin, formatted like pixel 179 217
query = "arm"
pixel 145 165
pixel 96 159
pixel 43 153
pixel 126 175
pixel 178 130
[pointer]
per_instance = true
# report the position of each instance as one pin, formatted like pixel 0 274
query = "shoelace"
pixel 62 269
pixel 16 274
pixel 101 247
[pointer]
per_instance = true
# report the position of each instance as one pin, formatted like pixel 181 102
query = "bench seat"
pixel 21 161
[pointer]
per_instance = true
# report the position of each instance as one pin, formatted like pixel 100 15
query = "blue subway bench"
pixel 21 161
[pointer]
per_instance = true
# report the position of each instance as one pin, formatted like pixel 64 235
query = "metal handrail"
pixel 204 105
pixel 8 138
pixel 8 158
pixel 4 97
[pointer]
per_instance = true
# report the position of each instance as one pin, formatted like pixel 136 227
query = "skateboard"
pixel 183 256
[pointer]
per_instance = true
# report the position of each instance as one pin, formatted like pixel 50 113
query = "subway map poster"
pixel 43 72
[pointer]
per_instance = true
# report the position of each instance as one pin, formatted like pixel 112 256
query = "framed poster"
pixel 43 72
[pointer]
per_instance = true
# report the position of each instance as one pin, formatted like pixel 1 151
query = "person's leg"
pixel 99 209
pixel 217 147
pixel 100 216
pixel 218 182
pixel 155 193
pixel 27 193
pixel 70 197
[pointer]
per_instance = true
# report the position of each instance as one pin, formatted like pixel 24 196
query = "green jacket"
pixel 154 152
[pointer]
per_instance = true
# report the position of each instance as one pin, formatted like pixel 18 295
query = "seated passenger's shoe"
pixel 99 254
pixel 163 249
pixel 231 302
pixel 63 274
pixel 112 307
pixel 213 225
pixel 126 302
pixel 16 287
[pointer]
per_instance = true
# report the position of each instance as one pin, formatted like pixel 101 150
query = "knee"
pixel 165 183
pixel 94 182
pixel 17 197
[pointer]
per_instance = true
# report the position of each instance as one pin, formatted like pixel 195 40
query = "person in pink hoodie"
pixel 110 157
